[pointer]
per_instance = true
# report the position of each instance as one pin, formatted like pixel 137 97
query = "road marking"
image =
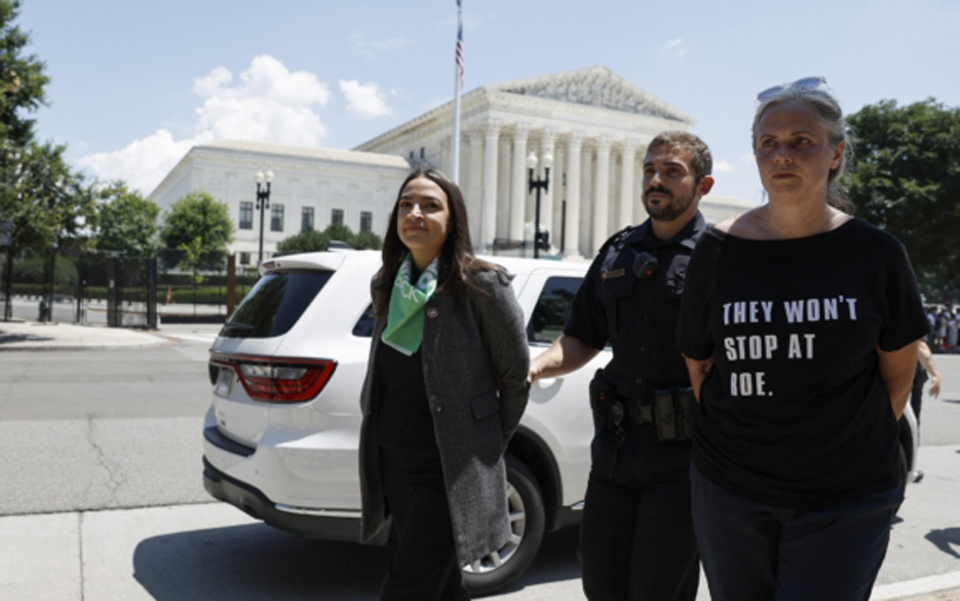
pixel 194 338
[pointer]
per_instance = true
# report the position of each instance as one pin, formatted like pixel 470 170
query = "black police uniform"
pixel 637 538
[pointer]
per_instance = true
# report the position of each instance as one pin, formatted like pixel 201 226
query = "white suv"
pixel 281 437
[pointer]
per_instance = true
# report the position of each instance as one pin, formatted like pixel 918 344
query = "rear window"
pixel 275 304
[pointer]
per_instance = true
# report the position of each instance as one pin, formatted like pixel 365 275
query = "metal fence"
pixel 119 291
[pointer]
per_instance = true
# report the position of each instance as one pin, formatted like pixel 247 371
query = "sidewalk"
pixel 33 336
pixel 212 550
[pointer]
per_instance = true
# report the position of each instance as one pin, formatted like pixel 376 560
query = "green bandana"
pixel 404 331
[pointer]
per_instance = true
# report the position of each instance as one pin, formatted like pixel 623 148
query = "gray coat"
pixel 475 363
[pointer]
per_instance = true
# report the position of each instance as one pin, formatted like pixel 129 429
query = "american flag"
pixel 460 51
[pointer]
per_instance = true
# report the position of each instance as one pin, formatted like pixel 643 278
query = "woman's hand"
pixel 698 373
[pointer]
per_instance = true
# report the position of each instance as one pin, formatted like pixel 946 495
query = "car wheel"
pixel 499 569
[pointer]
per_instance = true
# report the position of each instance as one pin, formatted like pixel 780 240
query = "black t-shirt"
pixel 794 412
pixel 404 420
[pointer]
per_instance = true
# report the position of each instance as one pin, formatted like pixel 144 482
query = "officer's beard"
pixel 667 211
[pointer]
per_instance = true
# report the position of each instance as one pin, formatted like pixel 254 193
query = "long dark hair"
pixel 457 264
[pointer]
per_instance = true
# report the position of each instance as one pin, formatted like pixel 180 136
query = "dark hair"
pixel 457 264
pixel 830 115
pixel 698 153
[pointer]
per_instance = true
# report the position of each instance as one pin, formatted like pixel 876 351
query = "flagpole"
pixel 458 83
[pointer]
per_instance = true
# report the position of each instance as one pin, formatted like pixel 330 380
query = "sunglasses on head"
pixel 807 83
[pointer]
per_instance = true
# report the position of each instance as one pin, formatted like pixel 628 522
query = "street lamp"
pixel 538 185
pixel 263 201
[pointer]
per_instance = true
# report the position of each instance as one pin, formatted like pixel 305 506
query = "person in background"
pixel 444 392
pixel 800 327
pixel 953 323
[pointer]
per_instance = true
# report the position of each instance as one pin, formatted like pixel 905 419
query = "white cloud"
pixel 747 158
pixel 267 104
pixel 722 166
pixel 143 163
pixel 676 47
pixel 369 49
pixel 365 100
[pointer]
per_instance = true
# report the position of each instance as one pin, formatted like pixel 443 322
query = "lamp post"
pixel 538 185
pixel 263 201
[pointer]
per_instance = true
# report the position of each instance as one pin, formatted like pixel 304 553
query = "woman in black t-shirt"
pixel 800 326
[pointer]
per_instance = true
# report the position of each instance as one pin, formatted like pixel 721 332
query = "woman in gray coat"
pixel 444 392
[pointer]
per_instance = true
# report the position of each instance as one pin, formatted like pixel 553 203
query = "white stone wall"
pixel 298 182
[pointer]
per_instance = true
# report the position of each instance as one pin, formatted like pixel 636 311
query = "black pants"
pixel 424 562
pixel 754 551
pixel 636 538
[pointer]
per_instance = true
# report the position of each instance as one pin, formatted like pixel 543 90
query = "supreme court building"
pixel 594 124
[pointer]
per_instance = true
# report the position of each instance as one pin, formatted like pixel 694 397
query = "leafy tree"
pixel 366 240
pixel 304 242
pixel 22 83
pixel 313 241
pixel 128 222
pixel 907 181
pixel 338 231
pixel 63 204
pixel 199 215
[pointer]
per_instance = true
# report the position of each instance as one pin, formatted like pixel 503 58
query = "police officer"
pixel 636 539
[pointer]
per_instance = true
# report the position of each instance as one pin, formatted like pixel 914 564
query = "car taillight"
pixel 278 380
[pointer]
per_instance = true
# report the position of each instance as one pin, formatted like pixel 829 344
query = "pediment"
pixel 595 86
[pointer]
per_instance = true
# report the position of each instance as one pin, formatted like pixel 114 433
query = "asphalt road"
pixel 98 431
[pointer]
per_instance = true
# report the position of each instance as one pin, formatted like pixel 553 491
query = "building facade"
pixel 594 124
pixel 312 188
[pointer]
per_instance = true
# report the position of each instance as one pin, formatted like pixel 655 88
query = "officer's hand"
pixel 533 374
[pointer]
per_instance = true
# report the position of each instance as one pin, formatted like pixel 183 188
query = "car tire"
pixel 501 568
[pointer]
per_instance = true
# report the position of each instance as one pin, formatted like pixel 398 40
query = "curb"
pixel 908 589
pixel 82 347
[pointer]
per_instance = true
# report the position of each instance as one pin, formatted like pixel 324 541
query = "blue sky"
pixel 135 84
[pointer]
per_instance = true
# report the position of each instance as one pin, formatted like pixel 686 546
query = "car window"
pixel 553 306
pixel 275 304
pixel 364 325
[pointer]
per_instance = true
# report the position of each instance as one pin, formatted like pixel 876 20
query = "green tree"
pixel 907 181
pixel 22 83
pixel 128 222
pixel 199 215
pixel 63 210
pixel 338 231
pixel 366 240
pixel 304 242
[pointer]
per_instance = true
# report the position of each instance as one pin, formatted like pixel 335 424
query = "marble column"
pixel 518 189
pixel 628 157
pixel 474 184
pixel 504 187
pixel 547 146
pixel 445 160
pixel 587 177
pixel 559 193
pixel 488 216
pixel 572 231
pixel 601 204
pixel 639 212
